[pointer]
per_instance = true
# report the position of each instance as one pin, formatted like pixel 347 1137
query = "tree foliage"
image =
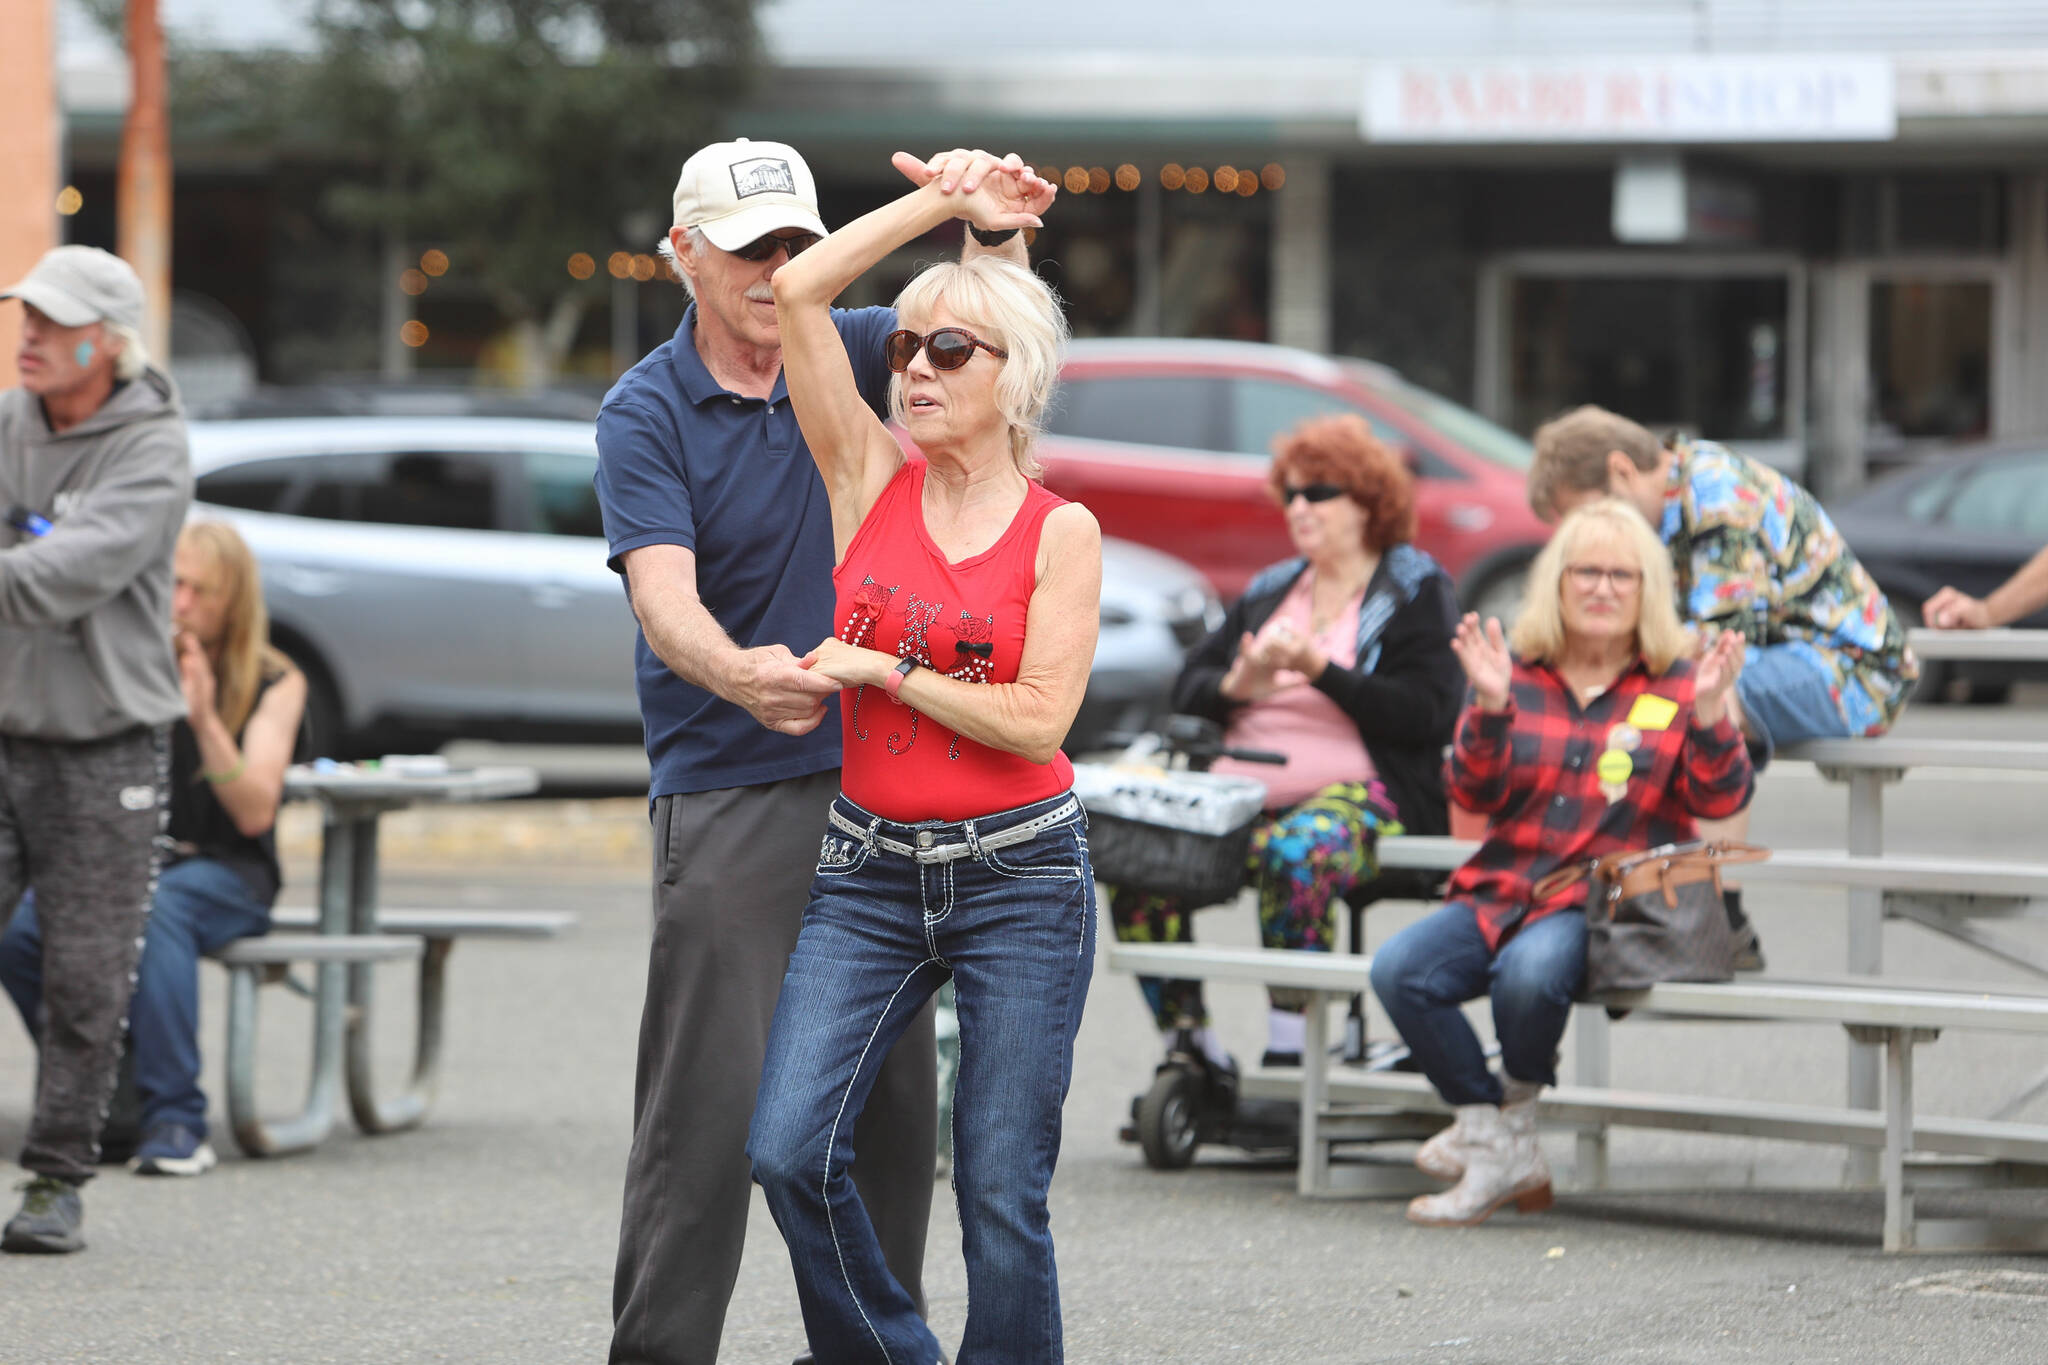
pixel 508 133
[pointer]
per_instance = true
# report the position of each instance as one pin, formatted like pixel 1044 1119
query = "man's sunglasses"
pixel 761 248
pixel 1314 492
pixel 948 348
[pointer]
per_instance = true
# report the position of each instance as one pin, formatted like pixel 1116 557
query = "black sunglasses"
pixel 1314 492
pixel 761 248
pixel 948 348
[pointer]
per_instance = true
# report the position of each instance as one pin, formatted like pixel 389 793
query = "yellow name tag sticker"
pixel 1615 767
pixel 1652 712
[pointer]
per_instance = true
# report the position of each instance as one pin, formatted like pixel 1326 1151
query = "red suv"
pixel 1168 442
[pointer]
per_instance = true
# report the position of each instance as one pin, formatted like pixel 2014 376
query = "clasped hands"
pixel 1000 192
pixel 1256 671
pixel 787 693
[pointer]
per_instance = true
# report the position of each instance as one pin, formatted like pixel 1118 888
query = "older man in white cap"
pixel 95 477
pixel 717 518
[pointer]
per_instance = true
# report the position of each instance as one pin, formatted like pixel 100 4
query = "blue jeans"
pixel 1786 697
pixel 1014 928
pixel 1425 972
pixel 199 905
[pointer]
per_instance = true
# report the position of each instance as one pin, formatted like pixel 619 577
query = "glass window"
pixel 456 491
pixel 1707 355
pixel 334 489
pixel 1265 410
pixel 1930 359
pixel 1215 271
pixel 258 486
pixel 1462 425
pixel 1157 410
pixel 563 499
pixel 1925 501
pixel 453 491
pixel 2005 495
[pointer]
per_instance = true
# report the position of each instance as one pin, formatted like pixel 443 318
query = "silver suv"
pixel 445 576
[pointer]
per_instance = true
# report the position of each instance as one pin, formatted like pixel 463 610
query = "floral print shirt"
pixel 1755 553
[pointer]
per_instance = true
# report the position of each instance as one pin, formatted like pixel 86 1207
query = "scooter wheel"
pixel 1167 1119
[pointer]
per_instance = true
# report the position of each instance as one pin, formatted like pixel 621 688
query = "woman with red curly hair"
pixel 1340 658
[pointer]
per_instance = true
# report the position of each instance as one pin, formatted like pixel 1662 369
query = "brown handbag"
pixel 1655 914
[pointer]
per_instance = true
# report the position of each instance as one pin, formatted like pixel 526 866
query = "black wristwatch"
pixel 997 238
pixel 893 684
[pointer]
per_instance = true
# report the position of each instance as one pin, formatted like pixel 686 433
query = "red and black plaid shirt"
pixel 1536 770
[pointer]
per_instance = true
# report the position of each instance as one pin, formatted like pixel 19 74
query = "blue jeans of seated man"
pixel 199 905
pixel 1426 971
pixel 1786 698
pixel 1015 929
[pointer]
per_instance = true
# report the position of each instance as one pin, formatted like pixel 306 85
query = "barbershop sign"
pixel 1644 99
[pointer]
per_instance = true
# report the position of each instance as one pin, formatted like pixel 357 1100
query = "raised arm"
pixel 856 456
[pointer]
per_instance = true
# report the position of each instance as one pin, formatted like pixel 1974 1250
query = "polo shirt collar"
pixel 694 377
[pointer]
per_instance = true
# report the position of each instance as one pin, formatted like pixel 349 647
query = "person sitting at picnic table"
pixel 220 875
pixel 1597 734
pixel 1340 658
pixel 1753 552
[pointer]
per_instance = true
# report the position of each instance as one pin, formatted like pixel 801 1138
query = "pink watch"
pixel 893 684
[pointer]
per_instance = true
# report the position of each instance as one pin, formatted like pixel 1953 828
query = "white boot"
pixel 1444 1155
pixel 1502 1163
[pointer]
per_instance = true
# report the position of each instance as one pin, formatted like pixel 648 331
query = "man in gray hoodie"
pixel 95 477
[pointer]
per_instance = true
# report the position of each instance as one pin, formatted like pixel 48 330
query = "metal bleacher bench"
pixel 1892 1016
pixel 423 935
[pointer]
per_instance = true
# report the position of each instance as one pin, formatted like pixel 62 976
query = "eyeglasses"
pixel 1314 492
pixel 761 248
pixel 1587 577
pixel 948 348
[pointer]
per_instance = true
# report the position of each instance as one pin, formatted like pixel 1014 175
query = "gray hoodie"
pixel 85 610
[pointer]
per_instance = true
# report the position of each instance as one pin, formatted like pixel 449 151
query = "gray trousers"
pixel 79 824
pixel 733 871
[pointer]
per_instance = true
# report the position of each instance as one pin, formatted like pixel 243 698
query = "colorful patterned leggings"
pixel 1301 860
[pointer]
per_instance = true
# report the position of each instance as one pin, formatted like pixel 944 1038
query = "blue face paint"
pixel 84 353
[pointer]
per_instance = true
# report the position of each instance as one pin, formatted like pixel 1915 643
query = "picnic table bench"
pixel 1897 1018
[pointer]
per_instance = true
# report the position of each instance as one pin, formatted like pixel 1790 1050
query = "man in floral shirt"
pixel 1752 553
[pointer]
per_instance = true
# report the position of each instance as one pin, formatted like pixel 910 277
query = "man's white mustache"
pixel 761 293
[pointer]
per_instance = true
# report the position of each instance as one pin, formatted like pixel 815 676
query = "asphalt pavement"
pixel 488 1234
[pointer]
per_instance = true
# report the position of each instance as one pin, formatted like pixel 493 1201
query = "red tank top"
pixel 897 593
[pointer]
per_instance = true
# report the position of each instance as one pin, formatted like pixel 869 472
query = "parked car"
pixel 1168 443
pixel 444 576
pixel 1968 518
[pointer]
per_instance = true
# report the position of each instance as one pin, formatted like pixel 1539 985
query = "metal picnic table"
pixel 355 799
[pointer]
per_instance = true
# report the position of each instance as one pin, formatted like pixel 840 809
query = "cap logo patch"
pixel 137 798
pixel 762 175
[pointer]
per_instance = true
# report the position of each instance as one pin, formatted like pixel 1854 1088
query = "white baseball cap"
pixel 74 285
pixel 739 190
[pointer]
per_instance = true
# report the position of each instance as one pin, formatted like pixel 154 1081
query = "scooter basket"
pixel 1181 834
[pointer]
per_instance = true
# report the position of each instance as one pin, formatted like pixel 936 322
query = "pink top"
pixel 1320 741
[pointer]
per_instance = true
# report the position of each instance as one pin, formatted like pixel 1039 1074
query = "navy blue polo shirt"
pixel 682 460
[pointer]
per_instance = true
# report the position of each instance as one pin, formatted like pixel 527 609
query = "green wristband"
pixel 218 779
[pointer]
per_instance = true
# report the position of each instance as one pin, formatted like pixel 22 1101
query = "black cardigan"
pixel 1404 692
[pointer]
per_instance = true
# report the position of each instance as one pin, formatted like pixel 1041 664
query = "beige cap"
pixel 737 191
pixel 74 285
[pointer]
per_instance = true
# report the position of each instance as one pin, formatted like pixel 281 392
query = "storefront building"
pixel 1815 228
pixel 1837 262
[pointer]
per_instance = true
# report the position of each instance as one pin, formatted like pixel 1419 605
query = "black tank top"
pixel 198 819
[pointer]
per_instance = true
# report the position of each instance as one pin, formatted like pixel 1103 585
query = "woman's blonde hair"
pixel 1538 634
pixel 247 658
pixel 1005 305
